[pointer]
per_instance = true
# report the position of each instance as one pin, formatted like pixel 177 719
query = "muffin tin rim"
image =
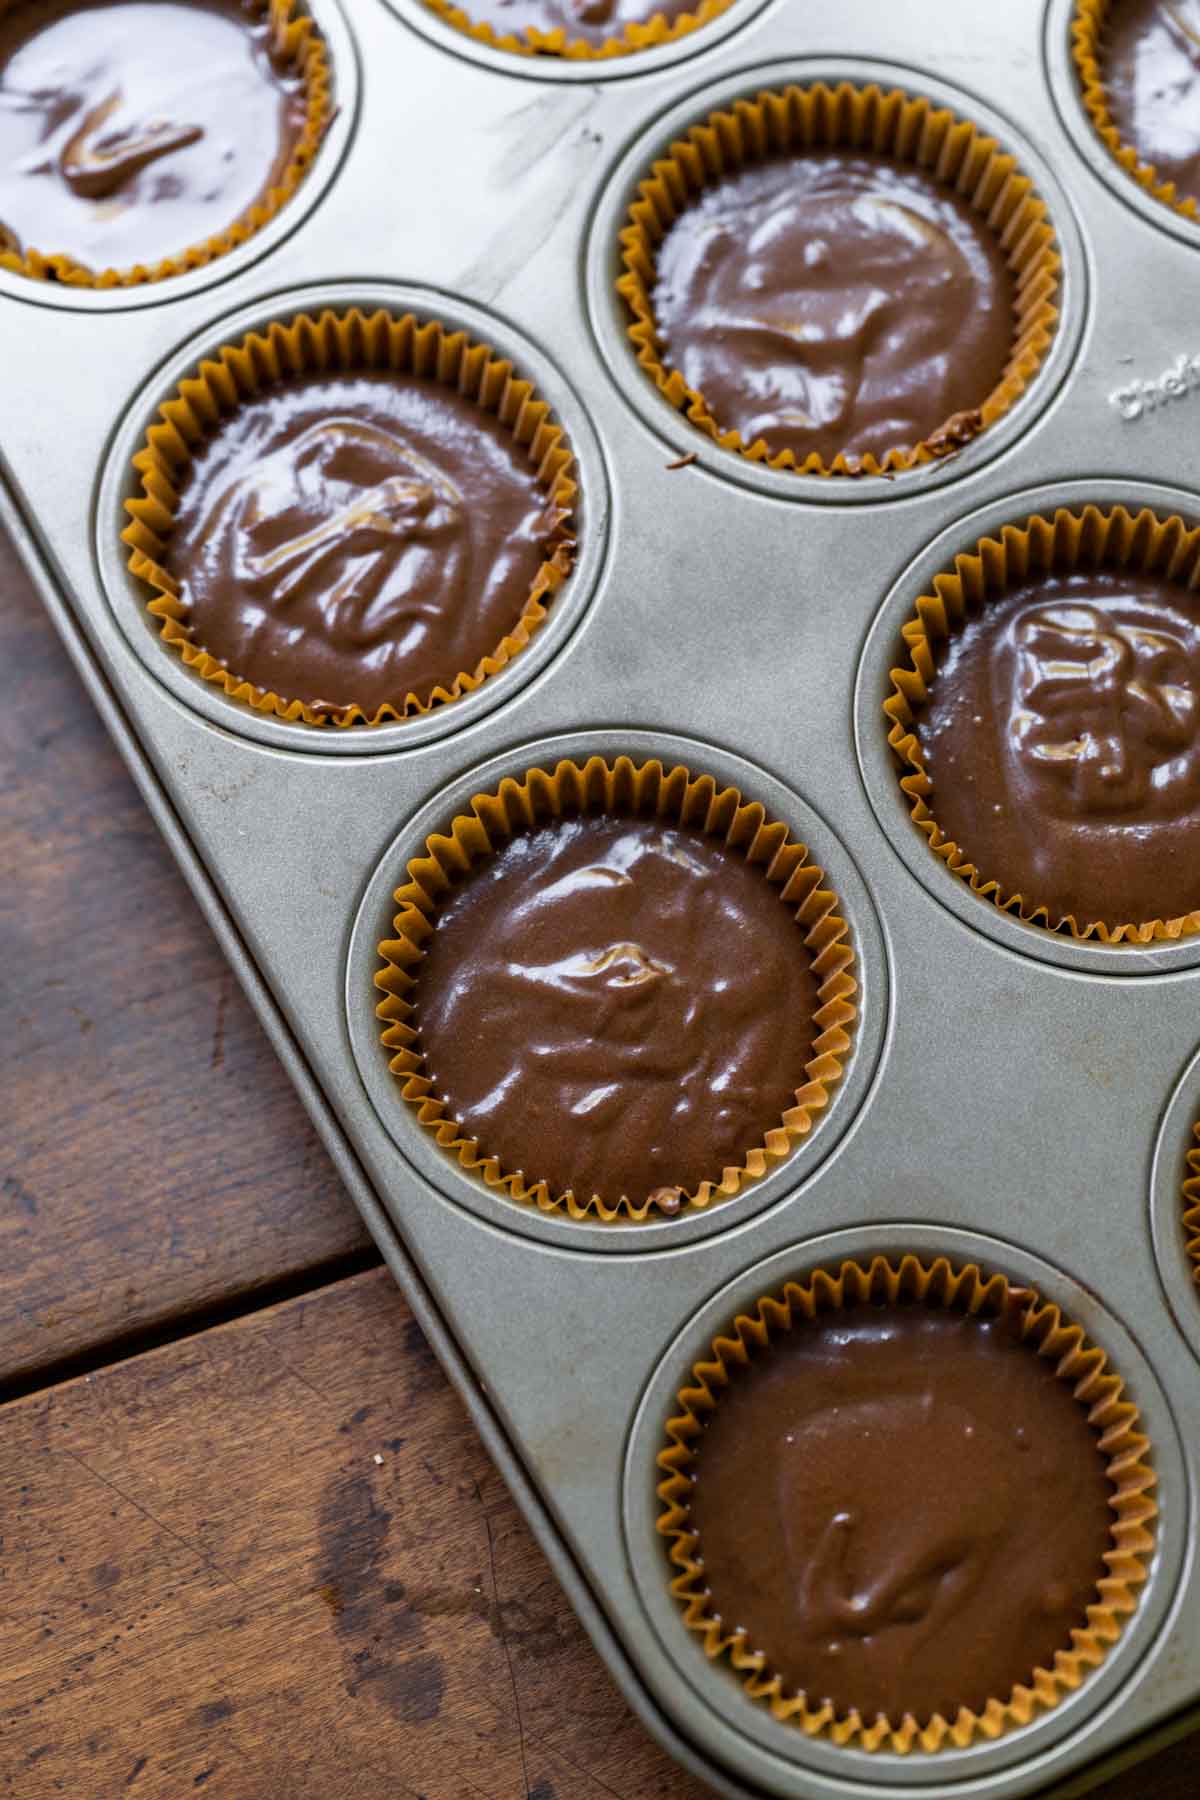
pixel 607 316
pixel 1067 95
pixel 438 31
pixel 423 1159
pixel 127 598
pixel 336 29
pixel 947 1772
pixel 1173 1139
pixel 880 772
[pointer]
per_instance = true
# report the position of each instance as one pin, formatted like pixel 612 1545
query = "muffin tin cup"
pixel 1070 42
pixel 621 787
pixel 204 266
pixel 1087 32
pixel 897 788
pixel 453 332
pixel 835 913
pixel 308 344
pixel 1175 1203
pixel 1067 1322
pixel 1069 541
pixel 433 19
pixel 820 102
pixel 1190 1196
pixel 937 1285
pixel 299 46
pixel 891 122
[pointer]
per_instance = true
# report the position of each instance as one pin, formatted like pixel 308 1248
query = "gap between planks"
pixel 125 1347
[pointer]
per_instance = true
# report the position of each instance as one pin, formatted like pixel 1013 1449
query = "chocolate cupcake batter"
pixel 836 301
pixel 349 539
pixel 1151 66
pixel 904 1508
pixel 1062 737
pixel 592 21
pixel 131 131
pixel 616 1006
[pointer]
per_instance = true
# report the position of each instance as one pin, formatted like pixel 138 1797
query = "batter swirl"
pixel 1152 80
pixel 905 1509
pixel 835 301
pixel 350 539
pixel 619 1007
pixel 1062 737
pixel 131 130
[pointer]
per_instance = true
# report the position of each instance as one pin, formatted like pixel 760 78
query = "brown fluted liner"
pixel 1069 540
pixel 315 344
pixel 630 38
pixel 1111 1414
pixel 1087 53
pixel 894 123
pixel 299 46
pixel 651 791
pixel 1191 1205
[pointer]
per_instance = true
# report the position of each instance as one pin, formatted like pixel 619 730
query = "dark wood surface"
pixel 275 1558
pixel 154 1159
pixel 266 1559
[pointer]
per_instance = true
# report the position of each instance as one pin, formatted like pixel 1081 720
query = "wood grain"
pixel 274 1561
pixel 154 1159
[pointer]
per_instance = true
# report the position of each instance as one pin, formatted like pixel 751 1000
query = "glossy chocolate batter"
pixel 836 301
pixel 905 1509
pixel 593 21
pixel 351 538
pixel 616 1006
pixel 1063 740
pixel 131 131
pixel 1151 66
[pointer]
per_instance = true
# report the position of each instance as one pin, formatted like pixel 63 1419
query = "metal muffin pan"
pixel 1008 1095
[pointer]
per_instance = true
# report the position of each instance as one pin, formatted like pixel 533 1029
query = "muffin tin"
pixel 1010 1096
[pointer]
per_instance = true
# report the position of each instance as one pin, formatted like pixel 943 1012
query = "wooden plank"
pixel 272 1562
pixel 154 1159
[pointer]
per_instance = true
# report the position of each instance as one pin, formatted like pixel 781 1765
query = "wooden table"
pixel 250 1542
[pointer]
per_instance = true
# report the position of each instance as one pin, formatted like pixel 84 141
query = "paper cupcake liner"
pixel 299 47
pixel 631 37
pixel 1087 52
pixel 1042 545
pixel 648 790
pixel 316 344
pixel 1111 1414
pixel 904 126
pixel 1191 1205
